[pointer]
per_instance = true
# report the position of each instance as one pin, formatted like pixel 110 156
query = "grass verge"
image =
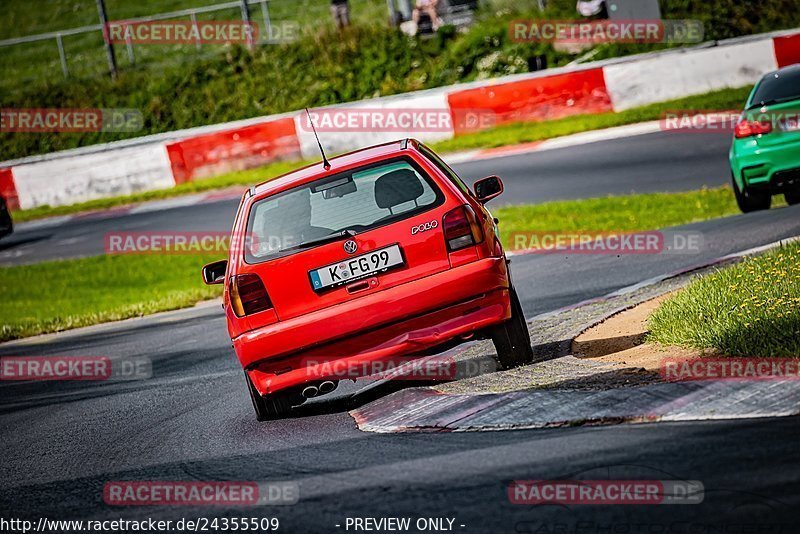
pixel 629 213
pixel 60 295
pixel 749 309
pixel 505 135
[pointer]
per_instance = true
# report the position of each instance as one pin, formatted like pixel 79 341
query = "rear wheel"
pixel 511 339
pixel 792 197
pixel 749 200
pixel 267 407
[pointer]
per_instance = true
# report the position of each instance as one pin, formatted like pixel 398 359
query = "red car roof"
pixel 350 160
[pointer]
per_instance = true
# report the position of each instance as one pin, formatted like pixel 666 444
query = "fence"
pixel 57 37
pixel 80 51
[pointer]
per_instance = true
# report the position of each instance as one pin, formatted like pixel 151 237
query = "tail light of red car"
pixel 461 228
pixel 248 295
pixel 746 128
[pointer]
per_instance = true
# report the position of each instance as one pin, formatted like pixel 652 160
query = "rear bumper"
pixel 403 320
pixel 762 167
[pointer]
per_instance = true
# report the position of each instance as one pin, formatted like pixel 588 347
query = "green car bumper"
pixel 755 166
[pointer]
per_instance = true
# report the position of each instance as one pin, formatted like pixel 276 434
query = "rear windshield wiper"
pixel 326 239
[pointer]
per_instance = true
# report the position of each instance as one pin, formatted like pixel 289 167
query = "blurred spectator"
pixel 593 8
pixel 428 7
pixel 341 13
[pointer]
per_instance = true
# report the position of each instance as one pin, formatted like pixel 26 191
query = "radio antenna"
pixel 325 162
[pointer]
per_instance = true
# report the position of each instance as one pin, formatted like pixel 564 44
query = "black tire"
pixel 511 339
pixel 272 406
pixel 792 197
pixel 749 200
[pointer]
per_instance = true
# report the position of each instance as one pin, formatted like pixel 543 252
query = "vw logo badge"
pixel 350 246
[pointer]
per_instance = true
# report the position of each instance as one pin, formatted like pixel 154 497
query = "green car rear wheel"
pixel 749 200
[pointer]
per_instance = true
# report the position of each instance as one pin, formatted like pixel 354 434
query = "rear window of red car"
pixel 359 200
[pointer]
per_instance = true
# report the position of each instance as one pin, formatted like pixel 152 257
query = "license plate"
pixel 356 268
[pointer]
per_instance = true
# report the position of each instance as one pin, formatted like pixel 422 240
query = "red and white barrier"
pixel 232 150
pixel 535 98
pixel 787 49
pixel 164 160
pixel 56 182
pixel 672 76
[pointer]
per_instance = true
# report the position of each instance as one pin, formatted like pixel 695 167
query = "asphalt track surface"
pixel 62 442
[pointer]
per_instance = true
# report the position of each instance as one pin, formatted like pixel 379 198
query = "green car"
pixel 765 155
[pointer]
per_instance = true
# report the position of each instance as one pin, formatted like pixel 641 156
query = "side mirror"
pixel 214 273
pixel 488 188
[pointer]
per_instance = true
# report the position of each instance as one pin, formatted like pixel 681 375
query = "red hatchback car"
pixel 382 253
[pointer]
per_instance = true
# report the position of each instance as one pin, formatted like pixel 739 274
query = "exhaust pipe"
pixel 327 387
pixel 310 391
